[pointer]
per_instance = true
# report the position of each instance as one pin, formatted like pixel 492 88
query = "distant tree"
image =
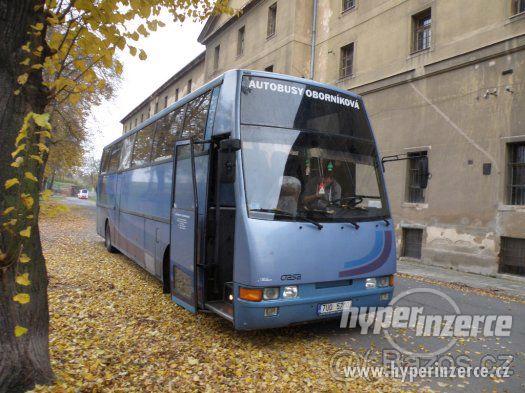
pixel 55 56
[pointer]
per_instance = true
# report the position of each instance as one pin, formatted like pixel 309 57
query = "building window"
pixel 412 240
pixel 422 26
pixel 415 194
pixel 347 60
pixel 240 41
pixel 189 86
pixel 516 174
pixel 348 4
pixel 269 68
pixel 512 256
pixel 216 57
pixel 157 105
pixel 165 101
pixel 176 95
pixel 136 120
pixel 272 19
pixel 518 6
pixel 141 117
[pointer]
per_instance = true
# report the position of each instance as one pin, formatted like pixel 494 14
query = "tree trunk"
pixel 51 182
pixel 24 360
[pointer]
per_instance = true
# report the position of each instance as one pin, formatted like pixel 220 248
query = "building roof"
pixel 205 35
pixel 179 74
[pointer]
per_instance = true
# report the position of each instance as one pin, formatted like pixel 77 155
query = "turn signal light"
pixel 391 280
pixel 250 294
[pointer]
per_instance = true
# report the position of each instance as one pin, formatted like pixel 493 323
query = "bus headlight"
pixel 383 282
pixel 271 293
pixel 370 283
pixel 290 291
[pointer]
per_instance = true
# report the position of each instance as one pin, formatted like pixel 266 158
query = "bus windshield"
pixel 308 155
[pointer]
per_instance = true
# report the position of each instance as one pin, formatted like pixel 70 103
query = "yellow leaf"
pixel 37 66
pixel 26 61
pixel 18 150
pixel 22 298
pixel 46 194
pixel 132 50
pixel 26 47
pixel 42 147
pixel 22 79
pixel 73 99
pixel 16 92
pixel 134 36
pixel 142 30
pixel 11 182
pixel 21 135
pixel 23 279
pixel 118 67
pixel 39 26
pixel 16 163
pixel 11 222
pixel 27 200
pixel 37 158
pixel 44 133
pixel 52 20
pixel 42 120
pixel 26 232
pixel 24 258
pixel 30 176
pixel 142 55
pixel 8 210
pixel 20 331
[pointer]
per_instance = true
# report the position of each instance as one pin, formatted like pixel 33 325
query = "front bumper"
pixel 304 308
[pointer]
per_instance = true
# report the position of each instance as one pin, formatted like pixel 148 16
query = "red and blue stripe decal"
pixel 376 258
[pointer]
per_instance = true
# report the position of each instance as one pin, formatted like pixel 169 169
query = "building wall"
pixel 287 51
pixel 434 101
pixel 461 101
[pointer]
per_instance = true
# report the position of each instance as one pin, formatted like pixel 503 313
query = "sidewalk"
pixel 502 283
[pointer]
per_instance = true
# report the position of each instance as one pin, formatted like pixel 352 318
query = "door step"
pixel 222 308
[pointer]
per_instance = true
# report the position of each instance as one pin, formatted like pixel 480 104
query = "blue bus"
pixel 259 197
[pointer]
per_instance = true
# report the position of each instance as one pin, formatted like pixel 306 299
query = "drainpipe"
pixel 312 45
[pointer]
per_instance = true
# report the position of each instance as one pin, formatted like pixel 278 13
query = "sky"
pixel 169 49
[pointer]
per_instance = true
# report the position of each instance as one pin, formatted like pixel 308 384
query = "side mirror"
pixel 227 159
pixel 424 175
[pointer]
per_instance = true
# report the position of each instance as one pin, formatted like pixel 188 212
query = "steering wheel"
pixel 351 200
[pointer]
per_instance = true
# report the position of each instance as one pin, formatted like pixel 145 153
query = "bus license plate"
pixel 331 308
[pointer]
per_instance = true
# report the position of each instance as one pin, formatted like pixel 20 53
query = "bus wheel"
pixel 107 240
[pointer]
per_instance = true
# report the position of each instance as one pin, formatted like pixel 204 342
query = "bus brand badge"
pixel 290 277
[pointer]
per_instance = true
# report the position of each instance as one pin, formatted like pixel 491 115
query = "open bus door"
pixel 183 228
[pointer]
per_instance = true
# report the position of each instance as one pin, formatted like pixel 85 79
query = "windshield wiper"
pixel 286 214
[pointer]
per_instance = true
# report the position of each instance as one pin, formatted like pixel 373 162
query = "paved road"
pixel 475 348
pixel 472 349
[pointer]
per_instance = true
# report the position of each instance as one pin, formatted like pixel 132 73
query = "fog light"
pixel 370 283
pixel 290 291
pixel 384 296
pixel 383 282
pixel 271 293
pixel 271 311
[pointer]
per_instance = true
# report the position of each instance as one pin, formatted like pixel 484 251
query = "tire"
pixel 107 240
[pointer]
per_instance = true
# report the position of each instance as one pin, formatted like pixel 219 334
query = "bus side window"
pixel 142 147
pixel 125 155
pixel 196 115
pixel 211 113
pixel 114 159
pixel 168 129
pixel 104 162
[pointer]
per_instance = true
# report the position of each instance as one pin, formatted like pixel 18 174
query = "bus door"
pixel 184 225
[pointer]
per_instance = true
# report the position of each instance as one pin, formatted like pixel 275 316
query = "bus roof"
pixel 218 80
